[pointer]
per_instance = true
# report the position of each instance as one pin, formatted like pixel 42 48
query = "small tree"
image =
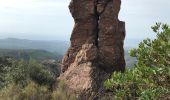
pixel 155 52
pixel 150 77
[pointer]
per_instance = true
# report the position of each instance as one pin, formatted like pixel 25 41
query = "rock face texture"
pixel 96 45
pixel 111 36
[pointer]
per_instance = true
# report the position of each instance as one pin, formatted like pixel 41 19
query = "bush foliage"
pixel 149 79
pixel 34 91
pixel 30 81
pixel 20 72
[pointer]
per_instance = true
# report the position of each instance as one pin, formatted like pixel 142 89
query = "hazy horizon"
pixel 51 19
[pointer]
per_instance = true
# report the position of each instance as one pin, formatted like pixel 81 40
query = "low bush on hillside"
pixel 21 72
pixel 149 79
pixel 34 91
pixel 30 81
pixel 5 65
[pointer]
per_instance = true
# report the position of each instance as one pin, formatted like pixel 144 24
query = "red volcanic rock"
pixel 96 45
pixel 111 36
pixel 85 28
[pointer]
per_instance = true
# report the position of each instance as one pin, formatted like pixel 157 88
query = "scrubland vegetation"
pixel 149 79
pixel 21 80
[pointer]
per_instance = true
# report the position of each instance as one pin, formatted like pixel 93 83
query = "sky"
pixel 51 19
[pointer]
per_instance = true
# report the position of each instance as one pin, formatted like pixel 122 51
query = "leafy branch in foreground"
pixel 149 79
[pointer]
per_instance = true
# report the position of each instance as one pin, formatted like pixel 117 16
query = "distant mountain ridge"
pixel 57 46
pixel 51 45
pixel 28 54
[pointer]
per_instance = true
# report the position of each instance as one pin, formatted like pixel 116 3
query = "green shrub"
pixel 40 74
pixel 5 66
pixel 150 77
pixel 21 72
pixel 154 52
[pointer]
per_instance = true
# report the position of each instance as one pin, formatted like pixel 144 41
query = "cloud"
pixel 30 4
pixel 140 15
pixel 21 18
pixel 33 7
pixel 52 18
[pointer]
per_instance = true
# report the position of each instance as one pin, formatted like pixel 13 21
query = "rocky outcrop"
pixel 111 36
pixel 96 45
pixel 85 28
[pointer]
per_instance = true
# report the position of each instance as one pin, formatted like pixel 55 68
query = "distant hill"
pixel 40 49
pixel 28 54
pixel 57 46
pixel 52 45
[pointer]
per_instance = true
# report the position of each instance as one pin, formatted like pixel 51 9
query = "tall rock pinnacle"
pixel 96 45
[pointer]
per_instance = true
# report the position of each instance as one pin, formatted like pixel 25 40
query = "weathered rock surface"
pixel 85 28
pixel 111 37
pixel 96 45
